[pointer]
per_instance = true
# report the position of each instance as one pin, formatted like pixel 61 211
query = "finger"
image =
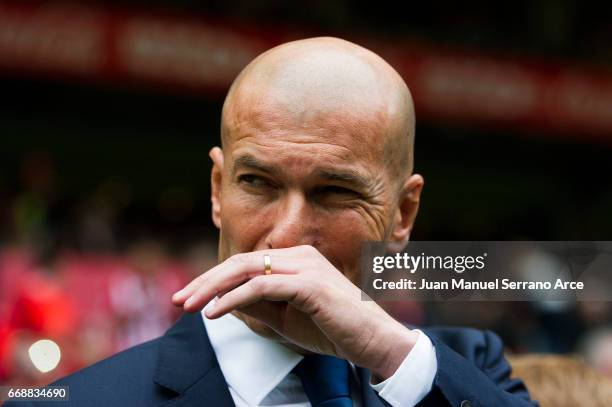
pixel 281 260
pixel 272 288
pixel 185 293
pixel 179 297
pixel 234 272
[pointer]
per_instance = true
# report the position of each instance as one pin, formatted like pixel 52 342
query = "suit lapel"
pixel 188 367
pixel 369 397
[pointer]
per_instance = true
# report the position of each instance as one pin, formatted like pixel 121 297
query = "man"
pixel 317 140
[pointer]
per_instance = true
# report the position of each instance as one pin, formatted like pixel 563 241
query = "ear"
pixel 406 212
pixel 216 182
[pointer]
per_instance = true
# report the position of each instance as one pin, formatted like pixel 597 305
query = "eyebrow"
pixel 345 177
pixel 253 163
pixel 349 177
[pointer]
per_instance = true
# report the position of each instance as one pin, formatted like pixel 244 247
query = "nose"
pixel 293 223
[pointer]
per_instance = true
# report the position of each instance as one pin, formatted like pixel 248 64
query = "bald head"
pixel 326 82
pixel 317 150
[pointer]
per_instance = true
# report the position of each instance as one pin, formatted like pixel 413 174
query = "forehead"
pixel 308 133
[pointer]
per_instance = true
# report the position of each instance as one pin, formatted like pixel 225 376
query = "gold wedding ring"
pixel 267 265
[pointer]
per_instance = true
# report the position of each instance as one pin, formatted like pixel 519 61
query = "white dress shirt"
pixel 258 371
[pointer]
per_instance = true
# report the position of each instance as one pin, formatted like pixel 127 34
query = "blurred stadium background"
pixel 109 109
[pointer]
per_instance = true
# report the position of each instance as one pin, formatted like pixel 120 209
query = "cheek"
pixel 347 227
pixel 341 240
pixel 243 222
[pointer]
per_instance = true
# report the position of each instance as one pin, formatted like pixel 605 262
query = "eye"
pixel 338 190
pixel 253 180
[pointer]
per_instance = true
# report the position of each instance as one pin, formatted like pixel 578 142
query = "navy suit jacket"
pixel 181 369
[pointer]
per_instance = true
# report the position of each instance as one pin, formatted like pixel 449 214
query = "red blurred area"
pixel 91 305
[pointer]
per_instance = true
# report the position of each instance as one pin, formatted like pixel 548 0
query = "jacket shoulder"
pixel 137 359
pixel 126 377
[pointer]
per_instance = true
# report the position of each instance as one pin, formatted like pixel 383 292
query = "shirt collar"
pixel 252 365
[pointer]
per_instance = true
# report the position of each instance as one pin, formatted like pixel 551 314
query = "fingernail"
pixel 210 311
pixel 210 308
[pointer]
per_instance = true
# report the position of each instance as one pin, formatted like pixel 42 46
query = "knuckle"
pixel 313 285
pixel 239 258
pixel 258 285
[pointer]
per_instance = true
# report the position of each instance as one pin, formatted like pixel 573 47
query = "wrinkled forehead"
pixel 351 130
pixel 321 92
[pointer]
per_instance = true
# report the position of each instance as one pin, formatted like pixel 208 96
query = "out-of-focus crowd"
pixel 90 305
